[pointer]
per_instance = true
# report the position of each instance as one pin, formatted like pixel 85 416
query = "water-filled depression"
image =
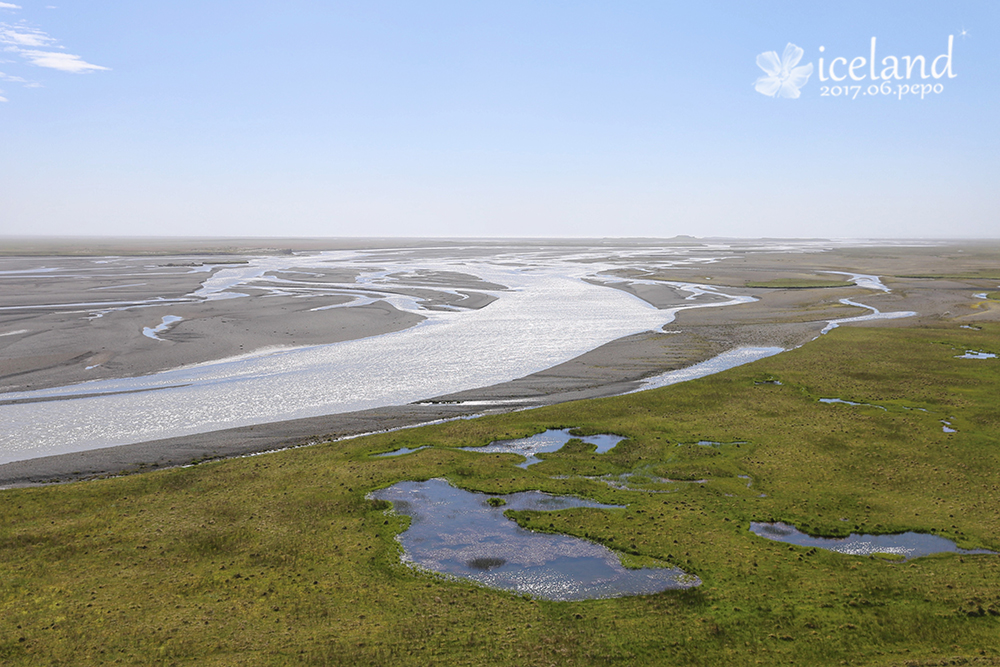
pixel 458 533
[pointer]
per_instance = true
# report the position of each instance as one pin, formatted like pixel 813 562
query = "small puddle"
pixel 548 441
pixel 830 401
pixel 713 443
pixel 167 322
pixel 642 483
pixel 458 533
pixel 908 545
pixel 973 354
pixel 401 451
pixel 947 428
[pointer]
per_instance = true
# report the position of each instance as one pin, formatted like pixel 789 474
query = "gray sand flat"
pixel 48 339
pixel 60 349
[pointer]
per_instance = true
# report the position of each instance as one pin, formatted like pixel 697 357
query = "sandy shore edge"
pixel 212 445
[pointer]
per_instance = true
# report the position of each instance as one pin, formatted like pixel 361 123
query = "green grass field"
pixel 280 559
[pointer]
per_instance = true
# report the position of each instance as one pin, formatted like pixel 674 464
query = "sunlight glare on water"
pixel 546 317
pixel 458 533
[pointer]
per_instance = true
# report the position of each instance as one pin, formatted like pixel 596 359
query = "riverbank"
pixel 612 369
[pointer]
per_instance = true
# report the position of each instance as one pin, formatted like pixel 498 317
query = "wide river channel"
pixel 553 309
pixel 548 314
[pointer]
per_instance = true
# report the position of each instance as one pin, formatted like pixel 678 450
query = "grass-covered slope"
pixel 280 559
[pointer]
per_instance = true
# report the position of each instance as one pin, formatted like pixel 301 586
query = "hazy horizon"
pixel 483 238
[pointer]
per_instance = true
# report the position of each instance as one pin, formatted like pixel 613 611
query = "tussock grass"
pixel 280 559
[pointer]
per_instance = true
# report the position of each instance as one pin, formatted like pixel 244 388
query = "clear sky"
pixel 495 118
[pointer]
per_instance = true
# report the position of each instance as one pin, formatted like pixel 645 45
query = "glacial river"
pixel 554 309
pixel 548 315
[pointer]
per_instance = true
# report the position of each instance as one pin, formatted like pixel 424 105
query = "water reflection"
pixel 842 401
pixel 876 314
pixel 458 533
pixel 717 364
pixel 167 321
pixel 908 545
pixel 973 354
pixel 547 441
pixel 521 332
pixel 401 451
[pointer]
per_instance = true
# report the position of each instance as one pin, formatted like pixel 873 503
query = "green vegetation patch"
pixel 281 559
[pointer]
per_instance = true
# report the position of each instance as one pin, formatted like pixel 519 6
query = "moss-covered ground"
pixel 280 559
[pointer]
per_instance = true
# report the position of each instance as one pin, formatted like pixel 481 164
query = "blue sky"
pixel 489 118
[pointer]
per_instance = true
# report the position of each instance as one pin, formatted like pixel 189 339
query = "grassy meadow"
pixel 280 559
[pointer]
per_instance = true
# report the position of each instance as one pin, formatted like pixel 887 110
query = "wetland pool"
pixel 908 545
pixel 551 440
pixel 976 354
pixel 459 534
pixel 400 452
pixel 831 401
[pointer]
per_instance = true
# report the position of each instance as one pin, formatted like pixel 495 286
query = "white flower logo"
pixel 783 77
